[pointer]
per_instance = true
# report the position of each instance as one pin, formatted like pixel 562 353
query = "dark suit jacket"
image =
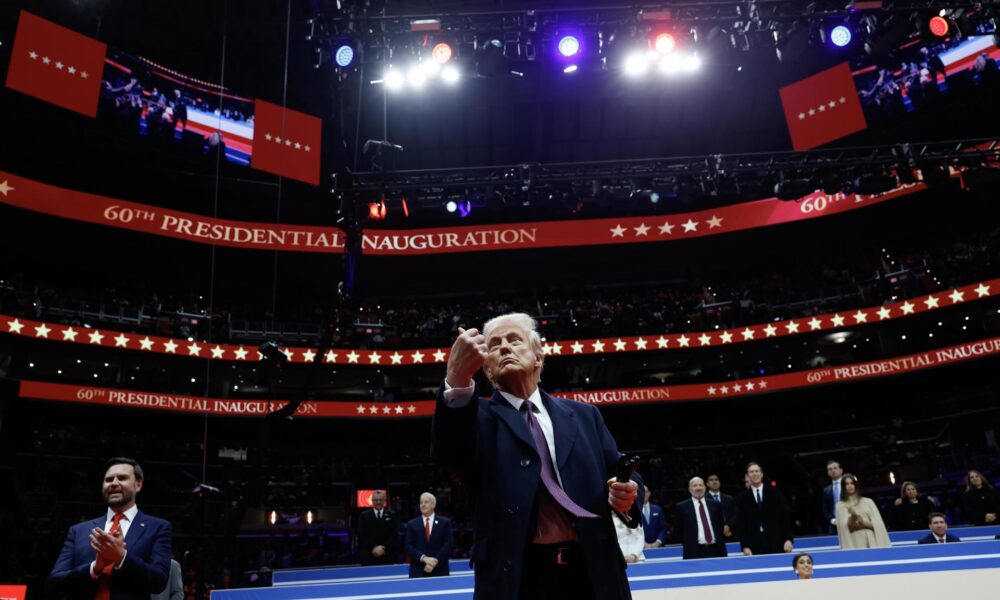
pixel 931 539
pixel 728 507
pixel 774 515
pixel 686 526
pixel 439 546
pixel 144 571
pixel 829 508
pixel 490 444
pixel 378 532
pixel 656 527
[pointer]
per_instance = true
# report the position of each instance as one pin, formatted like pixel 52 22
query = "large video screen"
pixel 143 98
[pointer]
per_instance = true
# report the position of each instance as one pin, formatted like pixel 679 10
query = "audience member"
pixel 831 495
pixel 802 564
pixel 980 503
pixel 859 524
pixel 939 531
pixel 175 587
pixel 378 533
pixel 630 540
pixel 716 494
pixel 911 510
pixel 428 540
pixel 653 522
pixel 764 519
pixel 698 523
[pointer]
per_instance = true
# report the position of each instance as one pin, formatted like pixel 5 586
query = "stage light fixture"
pixel 793 189
pixel 840 36
pixel 664 43
pixel 636 64
pixel 430 68
pixel 344 56
pixel 939 26
pixel 450 74
pixel 491 60
pixel 570 69
pixel 670 64
pixel 393 79
pixel 441 53
pixel 416 77
pixel 451 206
pixel 691 62
pixel 569 46
pixel 465 208
pixel 872 184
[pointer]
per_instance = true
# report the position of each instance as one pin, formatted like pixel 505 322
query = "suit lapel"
pixel 563 425
pixel 510 417
pixel 136 529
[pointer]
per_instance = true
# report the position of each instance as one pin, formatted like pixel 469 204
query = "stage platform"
pixel 928 571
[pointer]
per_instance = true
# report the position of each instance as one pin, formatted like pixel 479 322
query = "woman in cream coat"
pixel 859 524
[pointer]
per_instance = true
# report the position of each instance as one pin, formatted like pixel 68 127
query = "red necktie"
pixel 427 528
pixel 104 581
pixel 704 522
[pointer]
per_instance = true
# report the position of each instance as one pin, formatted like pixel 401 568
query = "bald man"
pixel 428 540
pixel 699 523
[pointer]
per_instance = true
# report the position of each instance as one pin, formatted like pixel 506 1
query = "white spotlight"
pixel 450 74
pixel 636 64
pixel 430 68
pixel 670 64
pixel 570 69
pixel 416 77
pixel 692 63
pixel 393 79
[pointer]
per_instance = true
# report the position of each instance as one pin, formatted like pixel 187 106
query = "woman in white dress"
pixel 859 524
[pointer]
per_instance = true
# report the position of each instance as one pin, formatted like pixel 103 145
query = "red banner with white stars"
pixel 103 210
pixel 387 358
pixel 425 408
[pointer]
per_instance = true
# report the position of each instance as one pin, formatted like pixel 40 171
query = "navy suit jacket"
pixel 439 546
pixel 489 443
pixel 931 539
pixel 656 527
pixel 830 508
pixel 145 570
pixel 686 526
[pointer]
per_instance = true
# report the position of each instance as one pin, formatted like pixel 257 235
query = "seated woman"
pixel 981 502
pixel 631 541
pixel 803 565
pixel 859 524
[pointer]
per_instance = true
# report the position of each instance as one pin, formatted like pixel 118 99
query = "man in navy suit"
pixel 654 526
pixel 428 540
pixel 541 471
pixel 727 502
pixel 124 555
pixel 939 531
pixel 831 495
pixel 698 523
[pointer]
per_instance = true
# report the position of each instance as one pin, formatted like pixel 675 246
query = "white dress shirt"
pixel 697 517
pixel 425 523
pixel 459 397
pixel 631 541
pixel 125 524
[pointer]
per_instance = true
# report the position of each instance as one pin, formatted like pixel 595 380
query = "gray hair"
pixel 521 320
pixel 434 499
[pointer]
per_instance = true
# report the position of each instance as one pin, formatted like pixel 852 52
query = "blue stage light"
pixel 569 46
pixel 840 36
pixel 344 56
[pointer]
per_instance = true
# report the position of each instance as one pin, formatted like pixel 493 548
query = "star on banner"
pixel 14 326
pixel 792 327
pixel 690 226
pixel 737 387
pixel 170 347
pixel 288 354
pixel 241 353
pixel 725 389
pixel 726 337
pixel 375 358
pixel 957 296
pixel 618 231
pixel 705 339
pixel 665 229
pixel 577 347
pixel 399 410
pixel 96 337
pixel 640 344
pixel 837 320
pixel 860 317
pixel 386 410
pixel 661 342
pixel 884 313
pixel 750 386
pixel 770 330
pixel 714 222
pixel 439 356
pixel 683 341
pixel 982 290
pixel 121 341
pixel 418 357
pixel 361 409
pixel 598 346
pixel 146 343
pixel 556 348
pixel 352 357
pixel 308 356
pixel 815 324
pixel 748 333
pixel 931 302
pixel 42 331
pixel 69 334
pixel 194 349
pixel 619 345
pixel 373 410
pixel 711 390
pixel 411 409
pixel 907 308
pixel 396 358
pixel 642 229
pixel 4 188
pixel 218 352
pixel 331 356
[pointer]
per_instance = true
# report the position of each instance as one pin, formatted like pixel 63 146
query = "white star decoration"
pixel 690 226
pixel 683 341
pixel 618 231
pixel 815 324
pixel 860 317
pixel 931 302
pixel 837 321
pixel 330 356
pixel 169 347
pixel 666 228
pixel 907 308
pixel 642 229
pixel 661 342
pixel 883 313
pixel 439 356
pixel 352 357
pixel 982 290
pixel 619 345
pixel 218 352
pixel 748 334
pixel 640 344
pixel 714 222
pixel 14 326
pixel 121 341
pixel 396 358
pixel 957 296
pixel 42 331
pixel 418 357
pixel 69 334
pixel 770 330
pixel 146 343
pixel 726 337
pixel 4 188
pixel 577 347
pixel 96 337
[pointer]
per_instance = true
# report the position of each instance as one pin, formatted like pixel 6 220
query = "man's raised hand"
pixel 468 354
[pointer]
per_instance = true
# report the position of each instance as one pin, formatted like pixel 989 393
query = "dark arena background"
pixel 241 237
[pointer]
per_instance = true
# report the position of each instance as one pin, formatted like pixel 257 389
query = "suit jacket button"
pixel 507 566
pixel 525 462
pixel 512 509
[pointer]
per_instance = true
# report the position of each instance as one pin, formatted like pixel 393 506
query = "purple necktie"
pixel 704 522
pixel 548 470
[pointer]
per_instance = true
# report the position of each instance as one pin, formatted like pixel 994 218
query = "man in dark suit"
pixel 428 540
pixel 728 503
pixel 654 525
pixel 831 495
pixel 939 531
pixel 378 533
pixel 541 471
pixel 698 523
pixel 764 519
pixel 124 555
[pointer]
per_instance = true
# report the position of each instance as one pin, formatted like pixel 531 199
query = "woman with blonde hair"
pixel 859 524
